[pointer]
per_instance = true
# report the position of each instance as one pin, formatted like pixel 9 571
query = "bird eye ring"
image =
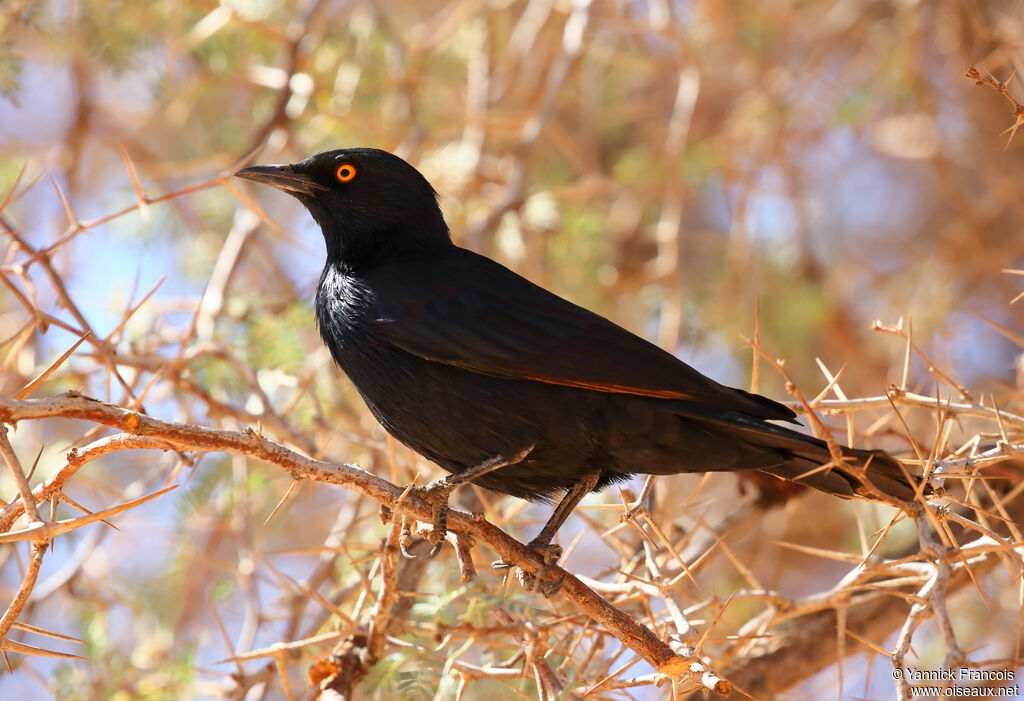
pixel 345 172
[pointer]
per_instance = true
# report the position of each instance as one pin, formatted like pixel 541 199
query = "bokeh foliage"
pixel 673 165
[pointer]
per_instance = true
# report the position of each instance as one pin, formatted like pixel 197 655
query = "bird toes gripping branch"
pixel 436 494
pixel 542 545
pixel 550 553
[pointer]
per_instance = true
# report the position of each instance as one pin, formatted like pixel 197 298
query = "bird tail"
pixel 884 472
pixel 800 458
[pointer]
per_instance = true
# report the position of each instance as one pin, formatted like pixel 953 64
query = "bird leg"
pixel 542 545
pixel 436 494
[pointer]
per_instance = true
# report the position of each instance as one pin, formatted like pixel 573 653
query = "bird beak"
pixel 283 177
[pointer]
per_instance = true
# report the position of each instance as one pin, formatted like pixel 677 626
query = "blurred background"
pixel 678 166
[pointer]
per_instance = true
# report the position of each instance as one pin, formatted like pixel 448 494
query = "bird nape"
pixel 511 387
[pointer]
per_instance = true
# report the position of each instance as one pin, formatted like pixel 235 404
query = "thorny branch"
pixel 1000 88
pixel 190 438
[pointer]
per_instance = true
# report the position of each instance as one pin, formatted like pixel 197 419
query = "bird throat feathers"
pixel 357 238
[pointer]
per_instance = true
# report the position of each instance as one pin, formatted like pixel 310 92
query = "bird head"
pixel 370 204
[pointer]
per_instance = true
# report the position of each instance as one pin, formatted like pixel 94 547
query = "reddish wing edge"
pixel 614 389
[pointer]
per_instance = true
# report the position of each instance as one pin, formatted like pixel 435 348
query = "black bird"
pixel 505 384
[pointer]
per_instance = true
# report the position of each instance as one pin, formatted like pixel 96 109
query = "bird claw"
pixel 436 494
pixel 550 554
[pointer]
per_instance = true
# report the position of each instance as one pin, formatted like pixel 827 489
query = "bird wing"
pixel 471 312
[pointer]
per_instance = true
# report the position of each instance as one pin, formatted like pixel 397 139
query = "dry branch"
pixel 185 437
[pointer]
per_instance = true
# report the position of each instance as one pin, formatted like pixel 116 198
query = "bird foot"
pixel 436 494
pixel 550 554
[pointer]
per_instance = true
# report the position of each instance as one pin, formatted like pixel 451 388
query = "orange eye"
pixel 345 172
